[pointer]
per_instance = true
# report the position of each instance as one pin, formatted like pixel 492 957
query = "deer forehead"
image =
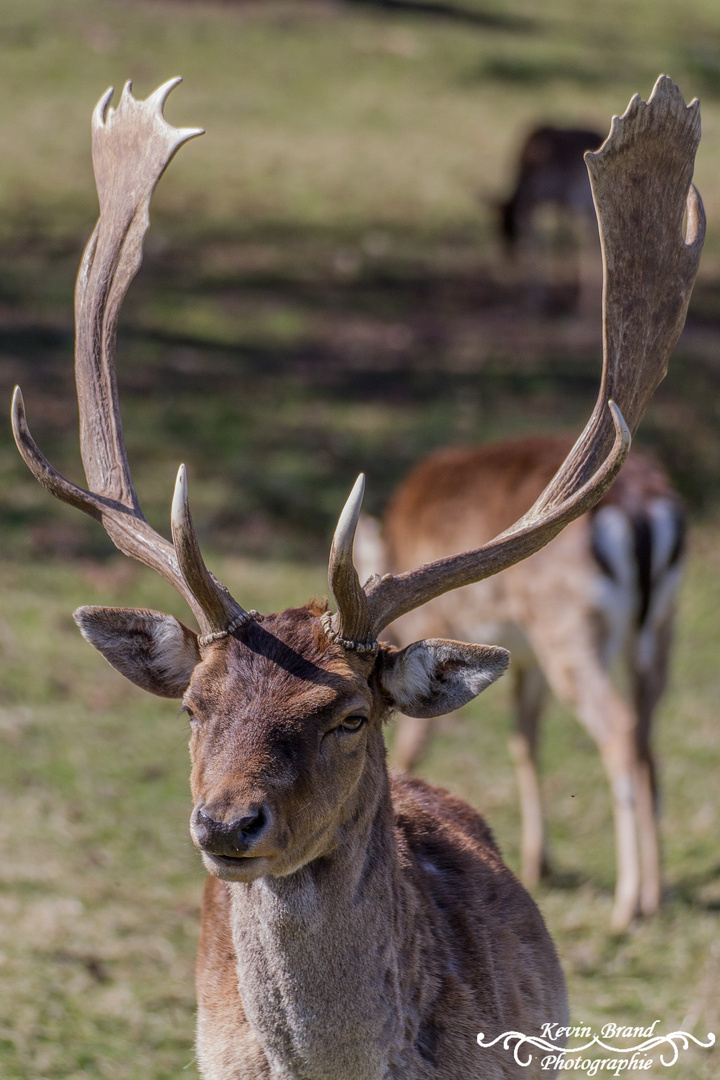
pixel 284 672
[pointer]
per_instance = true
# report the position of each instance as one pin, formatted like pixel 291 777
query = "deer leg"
pixel 649 678
pixel 651 881
pixel 411 738
pixel 617 751
pixel 611 723
pixel 536 253
pixel 529 692
pixel 582 684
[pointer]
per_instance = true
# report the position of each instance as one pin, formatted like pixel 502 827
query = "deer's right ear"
pixel 153 650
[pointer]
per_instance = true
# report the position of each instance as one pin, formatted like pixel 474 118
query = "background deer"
pixel 551 175
pixel 550 172
pixel 605 589
pixel 354 926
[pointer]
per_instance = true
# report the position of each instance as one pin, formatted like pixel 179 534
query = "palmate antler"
pixel 132 147
pixel 641 179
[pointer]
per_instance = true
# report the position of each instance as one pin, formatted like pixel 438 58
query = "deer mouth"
pixel 236 867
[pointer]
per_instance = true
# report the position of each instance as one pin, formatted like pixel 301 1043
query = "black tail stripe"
pixel 643 543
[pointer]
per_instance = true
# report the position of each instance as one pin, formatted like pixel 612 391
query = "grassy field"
pixel 100 886
pixel 321 293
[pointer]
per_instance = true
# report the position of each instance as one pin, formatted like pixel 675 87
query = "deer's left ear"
pixel 433 677
pixel 153 650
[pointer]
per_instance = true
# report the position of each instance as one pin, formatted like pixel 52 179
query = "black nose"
pixel 231 838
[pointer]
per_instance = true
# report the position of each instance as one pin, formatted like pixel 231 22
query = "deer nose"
pixel 230 838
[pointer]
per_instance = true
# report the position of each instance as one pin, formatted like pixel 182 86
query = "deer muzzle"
pixel 229 847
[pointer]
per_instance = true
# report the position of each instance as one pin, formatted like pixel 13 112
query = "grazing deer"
pixel 603 590
pixel 551 174
pixel 355 926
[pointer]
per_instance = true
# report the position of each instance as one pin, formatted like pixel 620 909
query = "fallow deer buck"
pixel 602 591
pixel 355 926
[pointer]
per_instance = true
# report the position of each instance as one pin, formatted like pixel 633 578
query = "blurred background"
pixel 324 290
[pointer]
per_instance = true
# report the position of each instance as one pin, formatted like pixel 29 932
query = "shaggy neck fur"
pixel 317 954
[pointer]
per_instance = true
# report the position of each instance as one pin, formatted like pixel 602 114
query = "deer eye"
pixel 352 723
pixel 187 711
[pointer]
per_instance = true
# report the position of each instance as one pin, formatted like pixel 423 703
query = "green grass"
pixel 330 115
pixel 321 293
pixel 100 887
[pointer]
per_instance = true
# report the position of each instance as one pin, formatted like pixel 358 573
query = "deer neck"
pixel 317 956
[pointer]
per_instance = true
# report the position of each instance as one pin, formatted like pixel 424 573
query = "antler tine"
pixel 130 529
pixel 132 147
pixel 352 621
pixel 218 606
pixel 641 180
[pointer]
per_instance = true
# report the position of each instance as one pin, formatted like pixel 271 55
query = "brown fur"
pixel 356 926
pixel 549 611
pixel 549 221
pixel 449 870
pixel 501 480
pixel 370 864
pixel 421 936
pixel 550 170
pixel 357 938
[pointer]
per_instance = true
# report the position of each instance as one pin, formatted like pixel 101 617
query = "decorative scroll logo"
pixel 556 1058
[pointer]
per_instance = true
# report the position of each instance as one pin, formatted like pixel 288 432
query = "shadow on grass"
pixel 688 890
pixel 564 879
pixel 278 370
pixel 434 9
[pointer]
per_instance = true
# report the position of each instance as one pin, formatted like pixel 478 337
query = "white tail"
pixel 354 926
